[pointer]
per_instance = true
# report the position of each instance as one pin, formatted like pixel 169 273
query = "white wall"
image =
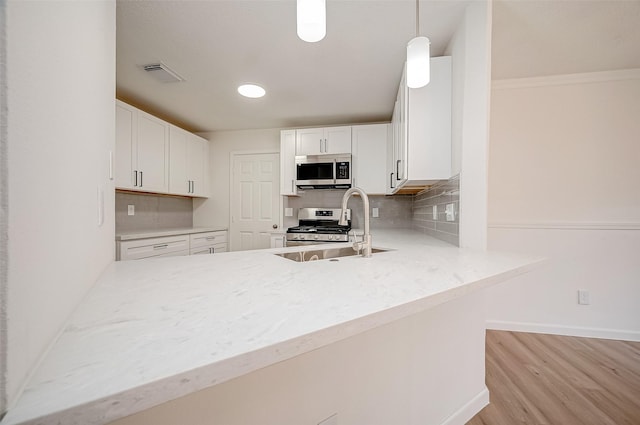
pixel 60 129
pixel 215 210
pixel 425 369
pixel 564 181
pixel 470 49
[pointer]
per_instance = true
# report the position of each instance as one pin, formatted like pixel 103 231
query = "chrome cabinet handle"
pixel 210 238
pixel 293 182
pixel 160 246
pixel 135 180
pixel 193 186
pixel 398 169
pixel 391 181
pixel 140 178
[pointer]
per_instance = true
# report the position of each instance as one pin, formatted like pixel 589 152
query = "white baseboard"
pixel 469 410
pixel 543 328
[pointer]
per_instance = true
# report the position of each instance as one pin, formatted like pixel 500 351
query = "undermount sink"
pixel 323 254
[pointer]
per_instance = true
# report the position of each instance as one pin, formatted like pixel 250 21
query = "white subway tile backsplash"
pixel 152 212
pixel 440 194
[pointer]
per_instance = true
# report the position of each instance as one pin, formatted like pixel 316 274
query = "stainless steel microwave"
pixel 323 171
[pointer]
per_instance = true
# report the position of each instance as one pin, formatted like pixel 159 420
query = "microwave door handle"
pixel 335 172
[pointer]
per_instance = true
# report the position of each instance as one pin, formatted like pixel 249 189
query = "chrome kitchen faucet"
pixel 365 245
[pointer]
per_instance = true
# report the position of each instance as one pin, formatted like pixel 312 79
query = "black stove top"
pixel 324 229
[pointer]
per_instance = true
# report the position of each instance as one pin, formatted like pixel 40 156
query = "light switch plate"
pixel 450 212
pixel 434 212
pixel 583 297
pixel 375 212
pixel 131 210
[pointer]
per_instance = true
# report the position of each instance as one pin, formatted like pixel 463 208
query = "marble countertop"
pixel 154 330
pixel 143 234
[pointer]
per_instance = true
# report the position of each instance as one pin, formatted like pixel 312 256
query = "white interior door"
pixel 255 200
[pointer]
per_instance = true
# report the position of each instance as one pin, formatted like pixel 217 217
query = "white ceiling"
pixel 352 75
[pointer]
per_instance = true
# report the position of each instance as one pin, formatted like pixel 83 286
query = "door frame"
pixel 232 157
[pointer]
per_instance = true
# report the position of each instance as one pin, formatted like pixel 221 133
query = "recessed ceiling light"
pixel 251 90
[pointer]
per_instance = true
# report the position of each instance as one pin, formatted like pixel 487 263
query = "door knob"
pixel 275 226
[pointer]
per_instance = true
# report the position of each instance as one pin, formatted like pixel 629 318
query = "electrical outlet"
pixel 450 212
pixel 583 297
pixel 375 212
pixel 288 212
pixel 131 210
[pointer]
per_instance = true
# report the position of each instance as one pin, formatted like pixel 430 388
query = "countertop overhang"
pixel 154 330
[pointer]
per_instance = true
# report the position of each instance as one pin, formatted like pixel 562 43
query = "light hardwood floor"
pixel 537 379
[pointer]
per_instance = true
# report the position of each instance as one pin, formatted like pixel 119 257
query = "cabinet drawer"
pixel 154 247
pixel 199 240
pixel 212 249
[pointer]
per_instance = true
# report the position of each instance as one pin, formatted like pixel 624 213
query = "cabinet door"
pixel 429 125
pixel 152 153
pixel 178 162
pixel 197 165
pixel 370 157
pixel 310 141
pixel 287 162
pixel 126 123
pixel 337 140
pixel 401 143
pixel 391 183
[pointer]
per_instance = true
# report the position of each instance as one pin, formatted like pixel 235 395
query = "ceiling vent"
pixel 163 73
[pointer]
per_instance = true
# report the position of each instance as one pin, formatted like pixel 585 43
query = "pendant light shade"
pixel 418 73
pixel 311 20
pixel 418 60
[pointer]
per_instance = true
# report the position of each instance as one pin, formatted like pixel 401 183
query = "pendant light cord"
pixel 417 18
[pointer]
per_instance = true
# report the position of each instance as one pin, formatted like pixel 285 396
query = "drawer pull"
pixel 160 246
pixel 210 238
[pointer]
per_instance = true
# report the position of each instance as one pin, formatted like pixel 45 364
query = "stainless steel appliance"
pixel 323 171
pixel 317 225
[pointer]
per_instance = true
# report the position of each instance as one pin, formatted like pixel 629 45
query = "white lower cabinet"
pixel 278 240
pixel 152 247
pixel 208 243
pixel 168 246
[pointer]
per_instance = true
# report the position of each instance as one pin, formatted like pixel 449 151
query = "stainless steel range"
pixel 317 225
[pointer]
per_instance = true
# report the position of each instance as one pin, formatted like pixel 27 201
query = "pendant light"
pixel 418 74
pixel 312 20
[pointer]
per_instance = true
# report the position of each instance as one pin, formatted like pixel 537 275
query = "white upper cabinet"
pixel 142 150
pixel 126 133
pixel 422 130
pixel 369 157
pixel 155 156
pixel 328 140
pixel 188 163
pixel 287 162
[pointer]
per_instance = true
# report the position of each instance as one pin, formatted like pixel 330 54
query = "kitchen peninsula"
pixel 161 330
